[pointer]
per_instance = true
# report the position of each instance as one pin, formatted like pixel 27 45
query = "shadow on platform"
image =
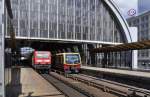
pixel 29 95
pixel 14 88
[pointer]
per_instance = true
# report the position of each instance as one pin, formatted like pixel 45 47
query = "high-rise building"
pixel 143 5
pixel 142 22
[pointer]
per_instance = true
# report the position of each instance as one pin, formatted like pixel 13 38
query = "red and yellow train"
pixel 68 62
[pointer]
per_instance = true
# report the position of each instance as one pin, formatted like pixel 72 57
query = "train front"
pixel 41 60
pixel 72 63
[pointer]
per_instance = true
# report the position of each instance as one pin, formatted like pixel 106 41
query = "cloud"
pixel 126 5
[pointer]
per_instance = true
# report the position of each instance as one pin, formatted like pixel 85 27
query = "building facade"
pixel 143 5
pixel 142 22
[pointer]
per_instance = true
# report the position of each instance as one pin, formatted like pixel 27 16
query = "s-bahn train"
pixel 41 60
pixel 67 62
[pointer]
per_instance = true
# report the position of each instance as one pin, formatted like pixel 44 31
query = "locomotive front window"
pixel 42 55
pixel 72 59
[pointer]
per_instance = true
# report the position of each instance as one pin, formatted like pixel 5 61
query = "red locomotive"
pixel 41 60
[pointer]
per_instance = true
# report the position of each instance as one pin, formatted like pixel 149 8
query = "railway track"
pixel 74 88
pixel 65 89
pixel 88 86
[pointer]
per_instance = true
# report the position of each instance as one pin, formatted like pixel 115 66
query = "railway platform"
pixel 25 82
pixel 119 72
pixel 139 79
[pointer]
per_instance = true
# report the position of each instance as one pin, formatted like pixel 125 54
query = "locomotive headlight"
pixel 46 60
pixel 38 61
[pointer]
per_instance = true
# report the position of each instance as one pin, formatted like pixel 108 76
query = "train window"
pixel 42 55
pixel 72 59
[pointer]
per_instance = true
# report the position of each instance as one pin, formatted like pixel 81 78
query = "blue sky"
pixel 126 5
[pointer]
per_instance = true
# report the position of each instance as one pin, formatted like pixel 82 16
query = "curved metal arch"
pixel 120 18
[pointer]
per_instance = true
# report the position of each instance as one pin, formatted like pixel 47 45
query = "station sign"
pixel 132 12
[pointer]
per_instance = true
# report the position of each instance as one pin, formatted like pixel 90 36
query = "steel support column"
pixel 2 30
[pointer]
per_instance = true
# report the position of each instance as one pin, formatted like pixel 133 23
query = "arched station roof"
pixel 84 37
pixel 120 18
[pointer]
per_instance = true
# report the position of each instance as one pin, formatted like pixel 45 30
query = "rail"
pixel 66 90
pixel 108 86
pixel 80 86
pixel 116 88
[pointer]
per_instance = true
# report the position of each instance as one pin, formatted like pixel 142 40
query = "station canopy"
pixel 124 47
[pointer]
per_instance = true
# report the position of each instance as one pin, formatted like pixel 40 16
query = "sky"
pixel 126 5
